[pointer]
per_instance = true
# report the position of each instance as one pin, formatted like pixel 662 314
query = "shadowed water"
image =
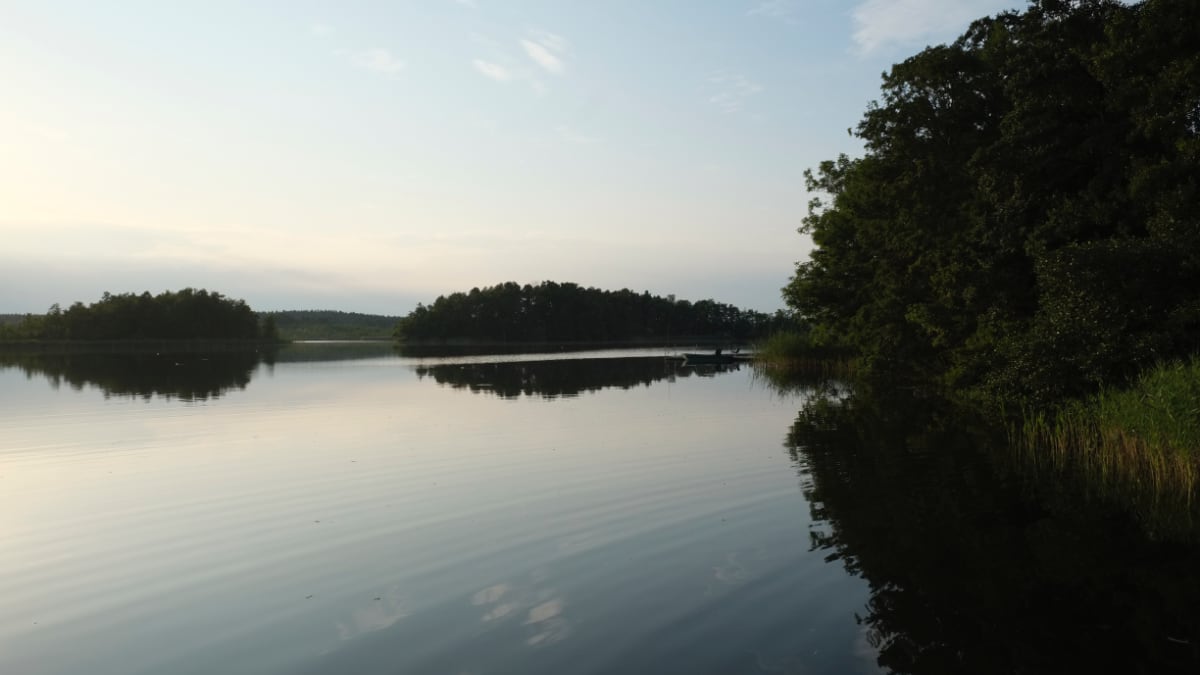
pixel 343 508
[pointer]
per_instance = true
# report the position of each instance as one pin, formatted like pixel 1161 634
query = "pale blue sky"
pixel 369 155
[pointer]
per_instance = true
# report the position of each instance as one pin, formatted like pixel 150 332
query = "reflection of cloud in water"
pixel 543 610
pixel 736 569
pixel 382 612
pixel 732 572
pixel 550 624
pixel 492 596
pixel 489 594
pixel 866 650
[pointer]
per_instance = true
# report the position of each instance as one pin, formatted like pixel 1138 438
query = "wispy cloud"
pixel 546 50
pixel 492 71
pixel 377 60
pixel 879 24
pixel 732 90
pixel 571 136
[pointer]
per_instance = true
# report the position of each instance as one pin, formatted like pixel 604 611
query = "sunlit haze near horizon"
pixel 365 156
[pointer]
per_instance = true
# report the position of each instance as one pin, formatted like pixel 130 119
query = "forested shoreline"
pixel 1022 230
pixel 567 312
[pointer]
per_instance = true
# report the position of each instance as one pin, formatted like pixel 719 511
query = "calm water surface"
pixel 212 514
pixel 344 509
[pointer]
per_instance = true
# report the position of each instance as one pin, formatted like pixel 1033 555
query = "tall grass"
pixel 792 353
pixel 1140 443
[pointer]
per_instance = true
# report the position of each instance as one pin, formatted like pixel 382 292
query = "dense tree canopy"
pixel 171 315
pixel 552 312
pixel 1024 216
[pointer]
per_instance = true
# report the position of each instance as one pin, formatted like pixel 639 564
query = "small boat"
pixel 705 357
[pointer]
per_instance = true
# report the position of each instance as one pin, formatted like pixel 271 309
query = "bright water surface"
pixel 343 509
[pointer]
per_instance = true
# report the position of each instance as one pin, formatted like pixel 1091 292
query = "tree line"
pixel 170 315
pixel 1023 221
pixel 554 312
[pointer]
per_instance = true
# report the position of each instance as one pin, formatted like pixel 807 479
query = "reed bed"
pixel 790 354
pixel 1140 444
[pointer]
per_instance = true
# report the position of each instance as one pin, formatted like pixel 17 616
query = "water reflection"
pixel 184 374
pixel 193 374
pixel 553 379
pixel 975 570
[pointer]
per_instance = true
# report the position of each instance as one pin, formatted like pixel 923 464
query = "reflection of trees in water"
pixel 184 374
pixel 552 379
pixel 974 572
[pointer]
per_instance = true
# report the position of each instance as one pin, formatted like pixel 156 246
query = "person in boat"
pixel 718 352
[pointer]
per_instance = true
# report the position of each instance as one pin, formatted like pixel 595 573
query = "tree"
pixel 1007 178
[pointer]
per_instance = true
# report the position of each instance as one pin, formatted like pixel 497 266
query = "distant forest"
pixel 172 315
pixel 554 312
pixel 331 325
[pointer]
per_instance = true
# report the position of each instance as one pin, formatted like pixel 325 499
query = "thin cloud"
pixel 882 24
pixel 493 71
pixel 377 60
pixel 320 29
pixel 546 50
pixel 542 56
pixel 732 90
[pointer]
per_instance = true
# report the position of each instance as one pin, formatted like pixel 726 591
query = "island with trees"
pixel 568 312
pixel 1022 230
pixel 189 314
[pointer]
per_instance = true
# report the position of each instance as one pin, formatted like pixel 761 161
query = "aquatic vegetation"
pixel 786 354
pixel 1140 444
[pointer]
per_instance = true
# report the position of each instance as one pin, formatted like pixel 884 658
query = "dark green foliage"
pixel 330 325
pixel 552 312
pixel 187 314
pixel 1023 221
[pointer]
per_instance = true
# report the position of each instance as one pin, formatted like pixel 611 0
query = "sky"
pixel 366 156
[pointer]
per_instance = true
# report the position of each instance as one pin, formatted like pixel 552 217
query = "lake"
pixel 347 508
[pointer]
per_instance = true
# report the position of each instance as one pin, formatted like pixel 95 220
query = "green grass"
pixel 797 353
pixel 1162 409
pixel 1140 443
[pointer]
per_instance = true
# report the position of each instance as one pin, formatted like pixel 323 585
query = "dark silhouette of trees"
pixel 553 312
pixel 1023 220
pixel 171 315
